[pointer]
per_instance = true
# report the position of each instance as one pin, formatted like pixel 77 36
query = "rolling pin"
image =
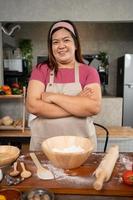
pixel 105 168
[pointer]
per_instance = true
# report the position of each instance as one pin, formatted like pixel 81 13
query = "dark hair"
pixel 52 64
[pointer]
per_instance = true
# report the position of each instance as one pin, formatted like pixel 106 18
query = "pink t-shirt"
pixel 87 75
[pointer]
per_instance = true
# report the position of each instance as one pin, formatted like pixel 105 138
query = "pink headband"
pixel 63 24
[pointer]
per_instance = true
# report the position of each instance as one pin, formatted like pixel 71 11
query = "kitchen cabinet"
pixel 15 71
pixel 17 103
pixel 11 77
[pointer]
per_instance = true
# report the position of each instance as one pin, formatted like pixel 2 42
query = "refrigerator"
pixel 125 87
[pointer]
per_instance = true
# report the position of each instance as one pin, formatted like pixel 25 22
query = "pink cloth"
pixel 63 24
pixel 88 74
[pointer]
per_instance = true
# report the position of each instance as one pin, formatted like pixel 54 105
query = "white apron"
pixel 43 128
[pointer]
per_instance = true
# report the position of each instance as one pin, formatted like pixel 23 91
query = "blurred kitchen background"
pixel 104 26
pixel 115 39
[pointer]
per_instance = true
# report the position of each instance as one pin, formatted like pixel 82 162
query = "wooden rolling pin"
pixel 105 168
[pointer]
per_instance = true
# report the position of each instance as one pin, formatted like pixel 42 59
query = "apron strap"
pixel 76 72
pixel 51 79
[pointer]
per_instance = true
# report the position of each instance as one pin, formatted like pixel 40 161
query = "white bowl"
pixel 67 152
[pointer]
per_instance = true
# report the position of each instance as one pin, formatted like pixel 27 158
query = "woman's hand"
pixel 86 103
pixel 87 92
pixel 41 103
pixel 47 96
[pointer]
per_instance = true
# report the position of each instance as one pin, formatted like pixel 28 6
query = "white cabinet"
pixel 13 106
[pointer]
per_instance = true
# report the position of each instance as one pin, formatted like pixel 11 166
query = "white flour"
pixel 127 163
pixel 65 179
pixel 70 149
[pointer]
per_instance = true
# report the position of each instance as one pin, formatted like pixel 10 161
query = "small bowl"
pixel 8 154
pixel 38 193
pixel 10 194
pixel 67 152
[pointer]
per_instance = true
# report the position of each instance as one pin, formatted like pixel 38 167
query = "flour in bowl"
pixel 70 149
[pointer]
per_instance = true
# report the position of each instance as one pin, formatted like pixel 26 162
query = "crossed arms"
pixel 55 105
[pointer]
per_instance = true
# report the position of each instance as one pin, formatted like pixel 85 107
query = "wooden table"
pixel 81 183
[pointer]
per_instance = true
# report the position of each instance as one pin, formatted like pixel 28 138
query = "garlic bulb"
pixel 7 121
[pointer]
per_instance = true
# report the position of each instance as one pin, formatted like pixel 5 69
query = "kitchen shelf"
pixel 20 126
pixel 11 96
pixel 11 127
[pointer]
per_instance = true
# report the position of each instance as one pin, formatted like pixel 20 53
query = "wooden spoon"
pixel 25 173
pixel 42 172
pixel 15 172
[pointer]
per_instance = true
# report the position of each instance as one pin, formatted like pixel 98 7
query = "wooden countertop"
pixel 114 131
pixel 15 133
pixel 81 183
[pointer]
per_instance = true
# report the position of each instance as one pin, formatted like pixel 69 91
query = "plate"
pixel 8 154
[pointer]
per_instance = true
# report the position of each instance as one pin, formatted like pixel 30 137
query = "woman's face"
pixel 63 46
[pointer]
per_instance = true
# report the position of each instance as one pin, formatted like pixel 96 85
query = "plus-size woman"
pixel 63 92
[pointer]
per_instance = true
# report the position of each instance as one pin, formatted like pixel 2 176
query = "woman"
pixel 63 92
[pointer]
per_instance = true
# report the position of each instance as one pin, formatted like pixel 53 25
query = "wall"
pixel 114 38
pixel 94 37
pixel 111 112
pixel 76 10
pixel 1 58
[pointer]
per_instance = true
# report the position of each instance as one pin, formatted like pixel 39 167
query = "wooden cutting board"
pixel 77 181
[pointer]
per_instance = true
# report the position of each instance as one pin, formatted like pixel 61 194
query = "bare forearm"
pixel 77 105
pixel 47 110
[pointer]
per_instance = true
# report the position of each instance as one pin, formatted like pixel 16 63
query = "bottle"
pixel 1 175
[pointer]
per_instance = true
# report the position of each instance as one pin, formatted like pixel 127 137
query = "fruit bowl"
pixel 67 152
pixel 8 154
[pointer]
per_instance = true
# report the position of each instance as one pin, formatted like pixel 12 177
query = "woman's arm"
pixel 86 103
pixel 37 106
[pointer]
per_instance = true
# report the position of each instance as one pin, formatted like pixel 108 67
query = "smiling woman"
pixel 63 92
pixel 63 47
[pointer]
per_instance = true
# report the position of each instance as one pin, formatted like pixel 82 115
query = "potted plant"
pixel 103 69
pixel 103 57
pixel 25 46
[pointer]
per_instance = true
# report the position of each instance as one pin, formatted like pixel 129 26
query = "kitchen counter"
pixel 79 181
pixel 123 136
pixel 114 131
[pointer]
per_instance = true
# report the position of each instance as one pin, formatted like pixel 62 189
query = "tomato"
pixel 15 85
pixel 128 177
